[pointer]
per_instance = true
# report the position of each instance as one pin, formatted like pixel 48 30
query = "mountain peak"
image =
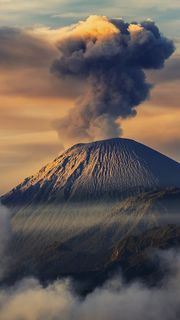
pixel 103 142
pixel 106 168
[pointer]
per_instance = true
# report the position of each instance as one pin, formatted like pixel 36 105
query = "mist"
pixel 29 300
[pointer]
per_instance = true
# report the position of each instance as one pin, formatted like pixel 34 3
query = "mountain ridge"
pixel 105 168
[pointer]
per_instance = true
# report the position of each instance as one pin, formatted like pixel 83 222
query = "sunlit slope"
pixel 104 169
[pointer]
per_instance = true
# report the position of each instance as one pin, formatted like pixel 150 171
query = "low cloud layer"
pixel 110 56
pixel 28 300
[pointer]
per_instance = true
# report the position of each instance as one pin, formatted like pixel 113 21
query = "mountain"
pixel 97 205
pixel 102 169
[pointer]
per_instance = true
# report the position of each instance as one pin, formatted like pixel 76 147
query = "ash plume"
pixel 110 57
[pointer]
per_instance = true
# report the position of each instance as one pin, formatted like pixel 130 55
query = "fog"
pixel 29 300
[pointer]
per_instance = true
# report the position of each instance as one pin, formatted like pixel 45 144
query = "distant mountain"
pixel 102 169
pixel 97 205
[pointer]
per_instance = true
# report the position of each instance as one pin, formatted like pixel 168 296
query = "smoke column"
pixel 110 56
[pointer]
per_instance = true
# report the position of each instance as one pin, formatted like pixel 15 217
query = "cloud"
pixel 158 4
pixel 25 59
pixel 116 300
pixel 170 73
pixel 18 48
pixel 110 56
pixel 55 13
pixel 21 5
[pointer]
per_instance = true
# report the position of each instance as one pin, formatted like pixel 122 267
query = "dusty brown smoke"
pixel 110 56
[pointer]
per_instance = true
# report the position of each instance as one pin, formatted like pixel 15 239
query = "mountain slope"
pixel 51 241
pixel 100 169
pixel 56 232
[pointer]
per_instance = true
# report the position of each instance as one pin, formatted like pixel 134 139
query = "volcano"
pixel 103 169
pixel 96 205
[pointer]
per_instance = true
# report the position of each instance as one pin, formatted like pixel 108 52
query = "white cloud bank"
pixel 28 300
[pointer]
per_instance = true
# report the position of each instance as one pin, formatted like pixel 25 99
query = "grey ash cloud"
pixel 111 57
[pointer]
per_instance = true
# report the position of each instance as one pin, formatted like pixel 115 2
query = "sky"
pixel 32 98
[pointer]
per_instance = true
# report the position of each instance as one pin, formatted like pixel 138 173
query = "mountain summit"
pixel 105 168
